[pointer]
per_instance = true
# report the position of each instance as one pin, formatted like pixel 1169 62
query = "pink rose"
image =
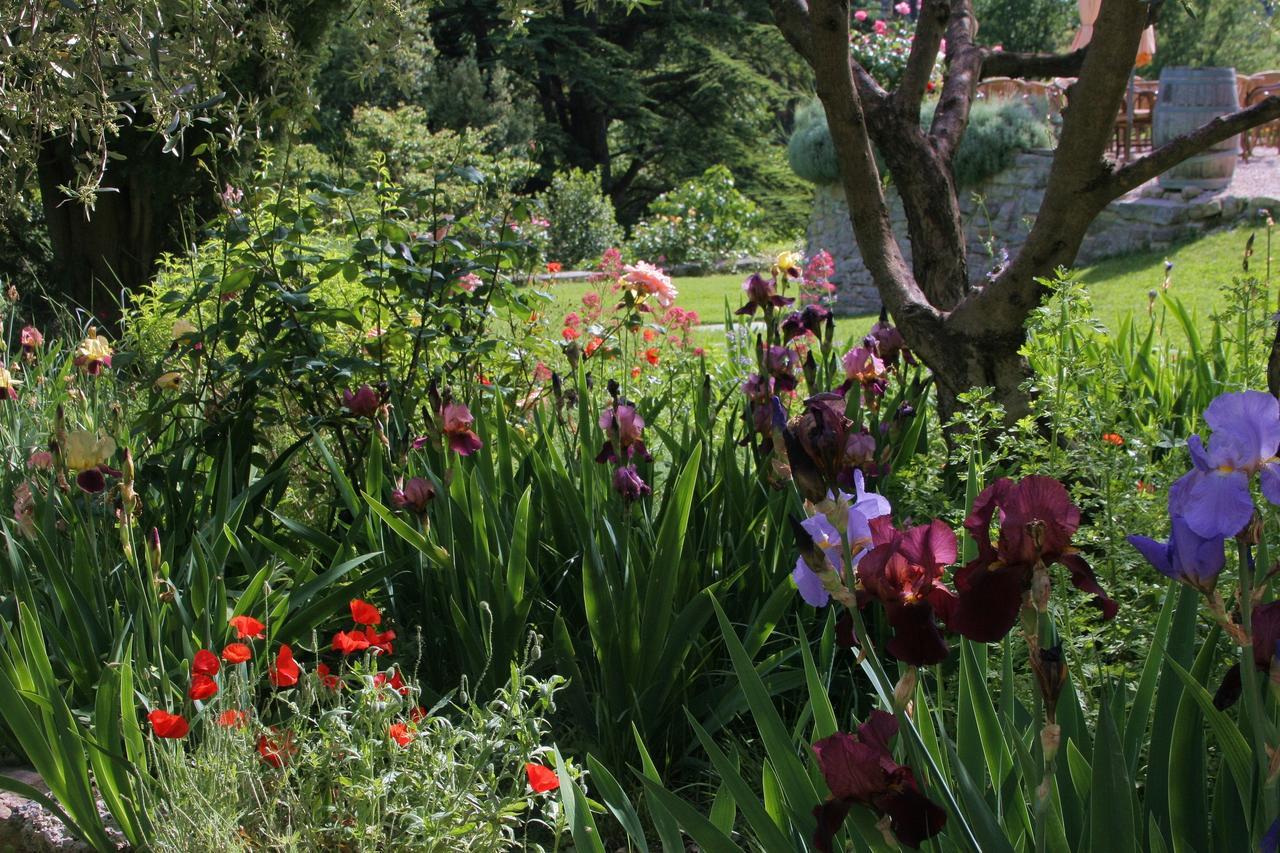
pixel 903 8
pixel 880 27
pixel 860 16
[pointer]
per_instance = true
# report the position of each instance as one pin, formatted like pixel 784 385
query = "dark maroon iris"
pixel 761 293
pixel 1037 520
pixel 860 770
pixel 903 571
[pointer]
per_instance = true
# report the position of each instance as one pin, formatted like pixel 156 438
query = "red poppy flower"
pixel 205 663
pixel 349 643
pixel 651 355
pixel 381 642
pixel 237 653
pixel 649 335
pixel 569 334
pixel 1113 439
pixel 541 779
pixel 248 628
pixel 401 733
pixel 593 345
pixel 417 713
pixel 233 719
pixel 326 678
pixel 364 613
pixel 554 267
pixel 275 750
pixel 285 671
pixel 168 725
pixel 202 687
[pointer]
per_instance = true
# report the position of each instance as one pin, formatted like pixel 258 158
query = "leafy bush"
pixel 701 221
pixel 582 223
pixel 997 131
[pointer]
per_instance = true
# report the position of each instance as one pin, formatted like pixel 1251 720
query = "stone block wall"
pixel 998 215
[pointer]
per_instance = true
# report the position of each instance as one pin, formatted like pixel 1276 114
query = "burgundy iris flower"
pixel 624 431
pixel 1037 520
pixel 781 363
pixel 364 403
pixel 456 422
pixel 1265 645
pixel 860 770
pixel 761 293
pixel 903 571
pixel 628 483
pixel 807 320
pixel 822 447
pixel 1214 496
pixel 415 494
pixel 888 341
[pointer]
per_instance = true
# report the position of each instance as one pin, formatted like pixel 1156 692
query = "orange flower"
pixel 401 734
pixel 593 345
pixel 237 653
pixel 649 335
pixel 651 355
pixel 1113 439
pixel 554 267
pixel 248 628
pixel 635 373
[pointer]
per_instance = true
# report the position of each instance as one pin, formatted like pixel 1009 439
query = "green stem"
pixel 1252 716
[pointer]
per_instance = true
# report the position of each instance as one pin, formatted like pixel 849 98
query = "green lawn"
pixel 1119 286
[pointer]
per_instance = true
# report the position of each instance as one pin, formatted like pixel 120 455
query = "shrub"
pixel 702 221
pixel 582 219
pixel 998 130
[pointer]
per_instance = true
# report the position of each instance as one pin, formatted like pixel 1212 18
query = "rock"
pixel 1156 211
pixel 1151 191
pixel 1189 193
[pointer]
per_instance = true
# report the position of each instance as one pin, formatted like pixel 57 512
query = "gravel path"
pixel 1258 177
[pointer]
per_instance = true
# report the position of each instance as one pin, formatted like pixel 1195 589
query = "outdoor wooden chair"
pixel 1267 134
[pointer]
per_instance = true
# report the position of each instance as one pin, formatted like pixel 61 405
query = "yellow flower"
pixel 86 450
pixel 7 380
pixel 93 353
pixel 788 264
pixel 171 381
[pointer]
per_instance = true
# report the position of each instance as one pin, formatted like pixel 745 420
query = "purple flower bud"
pixel 627 482
pixel 363 403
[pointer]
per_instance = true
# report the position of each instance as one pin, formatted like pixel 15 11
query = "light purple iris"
pixel 863 506
pixel 1187 557
pixel 1214 496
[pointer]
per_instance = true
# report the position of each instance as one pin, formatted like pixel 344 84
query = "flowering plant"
pixel 882 45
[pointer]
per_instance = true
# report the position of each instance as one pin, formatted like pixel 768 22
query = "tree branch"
pixel 996 63
pixel 792 18
pixel 1173 152
pixel 1071 199
pixel 964 64
pixel 834 76
pixel 924 55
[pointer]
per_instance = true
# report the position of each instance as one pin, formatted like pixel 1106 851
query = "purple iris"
pixel 1214 496
pixel 863 506
pixel 1187 557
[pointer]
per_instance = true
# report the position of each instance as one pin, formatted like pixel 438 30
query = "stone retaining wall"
pixel 998 215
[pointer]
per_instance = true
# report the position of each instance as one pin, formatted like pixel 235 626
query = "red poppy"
pixel 1113 439
pixel 205 663
pixel 569 334
pixel 364 613
pixel 417 713
pixel 326 678
pixel 285 672
pixel 168 725
pixel 381 642
pixel 554 267
pixel 541 779
pixel 401 733
pixel 233 719
pixel 649 335
pixel 202 687
pixel 593 345
pixel 248 628
pixel 237 653
pixel 349 643
pixel 651 355
pixel 276 750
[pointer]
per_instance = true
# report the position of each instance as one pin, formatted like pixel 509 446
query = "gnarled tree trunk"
pixel 971 335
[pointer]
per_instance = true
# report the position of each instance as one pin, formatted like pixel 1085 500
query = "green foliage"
pixel 456 783
pixel 1035 26
pixel 997 130
pixel 702 221
pixel 1241 35
pixel 581 216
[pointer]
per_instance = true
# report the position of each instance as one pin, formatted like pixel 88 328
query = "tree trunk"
pixel 100 254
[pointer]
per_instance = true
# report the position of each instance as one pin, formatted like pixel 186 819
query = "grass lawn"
pixel 1118 286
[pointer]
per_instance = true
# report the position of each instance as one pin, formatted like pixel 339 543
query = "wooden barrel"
pixel 1189 97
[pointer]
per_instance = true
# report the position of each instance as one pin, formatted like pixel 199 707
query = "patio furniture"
pixel 1267 134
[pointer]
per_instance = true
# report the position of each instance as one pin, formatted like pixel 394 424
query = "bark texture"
pixel 970 336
